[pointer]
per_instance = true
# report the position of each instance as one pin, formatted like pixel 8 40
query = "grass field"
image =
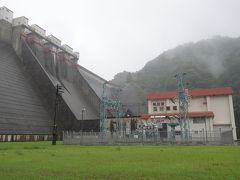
pixel 40 160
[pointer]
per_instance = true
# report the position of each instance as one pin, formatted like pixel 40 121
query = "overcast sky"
pixel 117 35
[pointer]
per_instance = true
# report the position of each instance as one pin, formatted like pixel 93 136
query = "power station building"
pixel 209 110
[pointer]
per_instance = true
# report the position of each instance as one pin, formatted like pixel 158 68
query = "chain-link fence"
pixel 149 137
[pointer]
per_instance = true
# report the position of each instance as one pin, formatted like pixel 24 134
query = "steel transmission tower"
pixel 113 106
pixel 183 105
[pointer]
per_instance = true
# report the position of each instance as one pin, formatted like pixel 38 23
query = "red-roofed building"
pixel 209 109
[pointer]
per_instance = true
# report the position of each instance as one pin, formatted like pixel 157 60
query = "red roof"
pixel 193 93
pixel 190 114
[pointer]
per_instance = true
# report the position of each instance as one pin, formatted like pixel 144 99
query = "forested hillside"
pixel 208 63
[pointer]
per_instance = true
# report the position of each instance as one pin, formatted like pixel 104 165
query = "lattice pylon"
pixel 183 105
pixel 116 107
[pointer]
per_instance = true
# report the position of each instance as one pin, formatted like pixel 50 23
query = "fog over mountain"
pixel 207 63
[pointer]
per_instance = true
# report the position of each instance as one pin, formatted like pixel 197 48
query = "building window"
pixel 161 108
pixel 168 108
pixel 162 103
pixel 199 120
pixel 154 103
pixel 158 103
pixel 174 107
pixel 155 109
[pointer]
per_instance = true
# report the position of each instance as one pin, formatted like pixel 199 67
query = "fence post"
pixel 220 135
pixel 204 138
pixel 63 136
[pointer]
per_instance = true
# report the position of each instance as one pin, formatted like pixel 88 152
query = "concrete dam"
pixel 32 66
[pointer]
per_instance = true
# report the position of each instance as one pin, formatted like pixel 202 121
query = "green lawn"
pixel 41 160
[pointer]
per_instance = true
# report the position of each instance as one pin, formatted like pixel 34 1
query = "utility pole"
pixel 83 110
pixel 59 92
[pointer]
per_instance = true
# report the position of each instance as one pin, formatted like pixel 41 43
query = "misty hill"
pixel 208 63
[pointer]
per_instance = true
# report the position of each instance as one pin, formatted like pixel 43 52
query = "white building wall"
pixel 223 127
pixel 206 125
pixel 161 106
pixel 208 103
pixel 170 103
pixel 221 109
pixel 198 104
pixel 150 107
pixel 232 118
